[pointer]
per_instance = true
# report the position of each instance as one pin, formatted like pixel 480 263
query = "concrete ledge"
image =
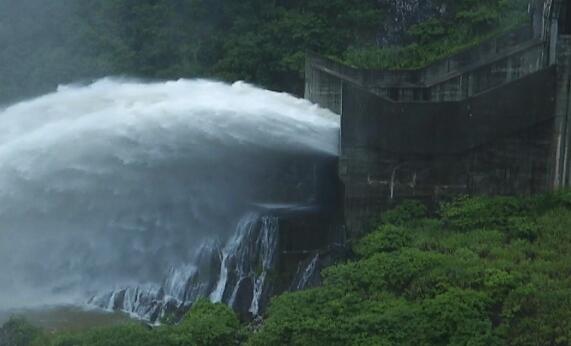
pixel 446 127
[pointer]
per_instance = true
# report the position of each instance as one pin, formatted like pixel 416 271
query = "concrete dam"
pixel 194 189
pixel 492 119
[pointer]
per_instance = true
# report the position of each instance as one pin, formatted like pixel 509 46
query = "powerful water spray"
pixel 119 183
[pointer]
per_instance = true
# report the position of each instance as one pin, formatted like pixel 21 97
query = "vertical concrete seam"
pixel 565 173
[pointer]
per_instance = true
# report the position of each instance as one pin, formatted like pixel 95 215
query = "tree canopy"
pixel 45 43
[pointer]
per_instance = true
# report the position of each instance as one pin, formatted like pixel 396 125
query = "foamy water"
pixel 114 183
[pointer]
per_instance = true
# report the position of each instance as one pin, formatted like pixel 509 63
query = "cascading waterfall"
pixel 235 274
pixel 149 192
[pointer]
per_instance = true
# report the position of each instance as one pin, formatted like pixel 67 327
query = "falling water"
pixel 235 274
pixel 307 274
pixel 139 196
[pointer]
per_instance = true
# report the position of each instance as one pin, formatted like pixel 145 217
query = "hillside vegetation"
pixel 486 271
pixel 43 43
pixel 461 25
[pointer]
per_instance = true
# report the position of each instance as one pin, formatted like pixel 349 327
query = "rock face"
pixel 257 262
pixel 235 274
pixel 471 123
pixel 401 14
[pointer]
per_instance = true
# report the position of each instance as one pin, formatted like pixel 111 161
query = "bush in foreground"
pixel 488 271
pixel 206 324
pixel 18 332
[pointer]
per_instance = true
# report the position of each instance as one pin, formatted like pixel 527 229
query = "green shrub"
pixel 446 241
pixel 384 272
pixel 497 274
pixel 125 335
pixel 522 227
pixel 206 324
pixel 406 212
pixel 457 317
pixel 546 202
pixel 466 214
pixel 537 314
pixel 18 332
pixel 385 239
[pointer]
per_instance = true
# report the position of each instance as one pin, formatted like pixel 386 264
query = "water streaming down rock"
pixel 136 189
pixel 235 274
pixel 307 274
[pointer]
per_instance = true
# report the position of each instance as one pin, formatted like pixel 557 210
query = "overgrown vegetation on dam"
pixel 254 40
pixel 462 24
pixel 485 271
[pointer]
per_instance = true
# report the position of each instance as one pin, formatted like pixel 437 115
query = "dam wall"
pixel 491 120
pixel 496 143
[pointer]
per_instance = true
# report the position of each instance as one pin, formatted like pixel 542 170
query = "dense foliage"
pixel 43 43
pixel 18 332
pixel 486 271
pixel 206 324
pixel 47 42
pixel 462 24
